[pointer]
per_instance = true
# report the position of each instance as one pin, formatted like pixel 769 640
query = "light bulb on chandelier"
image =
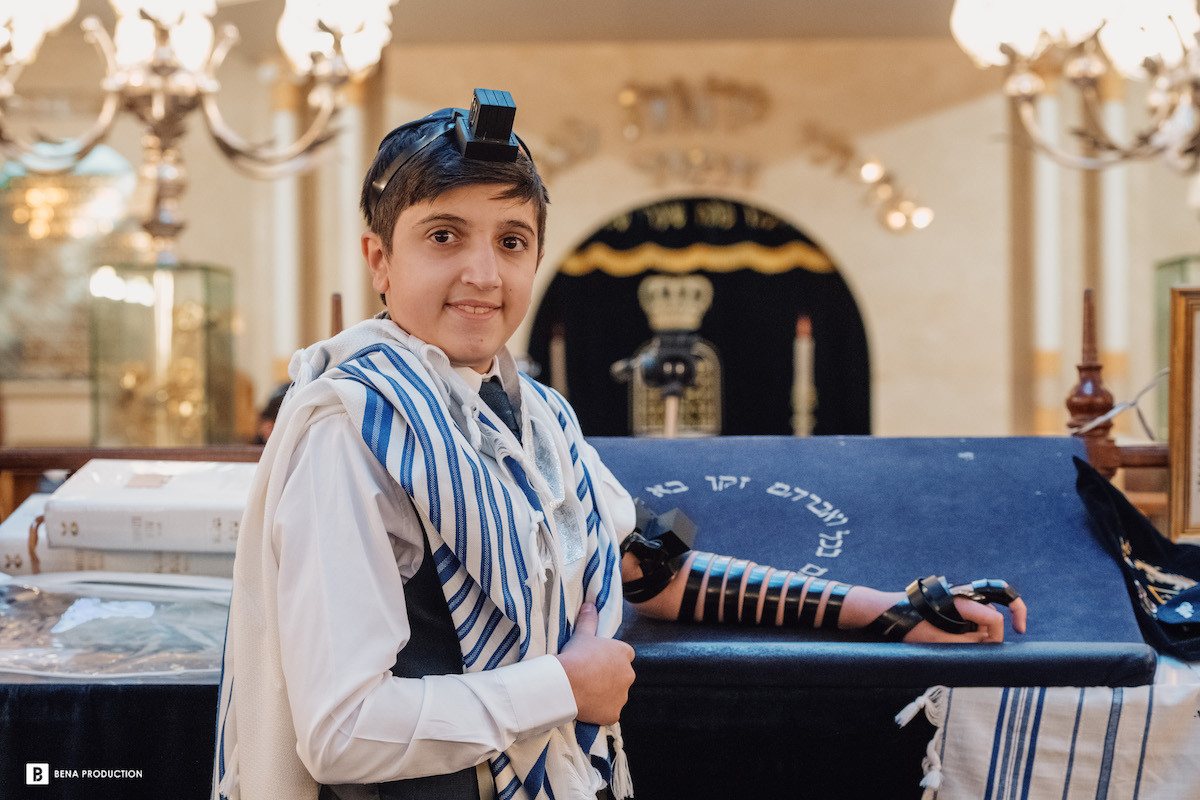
pixel 161 64
pixel 1088 44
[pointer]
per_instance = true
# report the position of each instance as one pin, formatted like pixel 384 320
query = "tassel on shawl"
pixel 934 703
pixel 473 432
pixel 622 781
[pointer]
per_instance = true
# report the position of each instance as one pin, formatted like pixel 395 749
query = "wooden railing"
pixel 1090 400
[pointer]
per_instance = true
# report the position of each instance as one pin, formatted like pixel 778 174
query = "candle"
pixel 803 391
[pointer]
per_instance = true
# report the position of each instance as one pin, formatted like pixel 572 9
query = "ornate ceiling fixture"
pixel 1088 43
pixel 161 64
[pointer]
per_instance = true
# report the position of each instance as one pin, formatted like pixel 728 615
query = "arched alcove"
pixel 765 273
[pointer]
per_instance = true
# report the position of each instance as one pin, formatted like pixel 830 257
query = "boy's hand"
pixel 600 670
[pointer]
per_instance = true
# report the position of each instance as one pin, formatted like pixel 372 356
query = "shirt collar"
pixel 503 367
pixel 474 380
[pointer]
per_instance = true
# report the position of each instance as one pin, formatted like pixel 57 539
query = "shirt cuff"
pixel 540 693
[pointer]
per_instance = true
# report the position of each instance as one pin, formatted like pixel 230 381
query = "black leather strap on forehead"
pixel 447 119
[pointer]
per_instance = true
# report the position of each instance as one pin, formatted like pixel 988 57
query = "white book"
pixel 173 506
pixel 14 540
pixel 15 559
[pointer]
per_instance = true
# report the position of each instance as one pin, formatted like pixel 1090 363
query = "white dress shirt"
pixel 342 620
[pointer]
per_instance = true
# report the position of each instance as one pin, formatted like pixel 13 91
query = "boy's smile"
pixel 460 274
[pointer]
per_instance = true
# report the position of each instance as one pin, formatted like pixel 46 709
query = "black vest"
pixel 432 649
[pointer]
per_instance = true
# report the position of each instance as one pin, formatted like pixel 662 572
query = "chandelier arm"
pixel 9 75
pixel 1117 155
pixel 1028 115
pixel 238 148
pixel 1093 120
pixel 260 160
pixel 1141 147
pixel 228 37
pixel 262 171
pixel 61 155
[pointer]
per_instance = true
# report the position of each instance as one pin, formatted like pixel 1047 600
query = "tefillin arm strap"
pixel 734 590
pixel 721 589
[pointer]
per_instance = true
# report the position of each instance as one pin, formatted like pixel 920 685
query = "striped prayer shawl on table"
pixel 1062 743
pixel 496 517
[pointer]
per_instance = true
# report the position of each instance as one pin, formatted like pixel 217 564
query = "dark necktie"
pixel 494 395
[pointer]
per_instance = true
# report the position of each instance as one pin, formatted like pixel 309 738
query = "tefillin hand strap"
pixel 740 591
pixel 932 600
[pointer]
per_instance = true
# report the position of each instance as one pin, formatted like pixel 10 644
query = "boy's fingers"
pixel 1018 615
pixel 587 621
pixel 989 620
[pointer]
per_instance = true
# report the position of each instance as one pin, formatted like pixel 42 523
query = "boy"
pixel 429 568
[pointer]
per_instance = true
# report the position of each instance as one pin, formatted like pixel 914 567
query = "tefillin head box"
pixel 487 132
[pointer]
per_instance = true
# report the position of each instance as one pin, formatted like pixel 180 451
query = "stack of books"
pixel 133 516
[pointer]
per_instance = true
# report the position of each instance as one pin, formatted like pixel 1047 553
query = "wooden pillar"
pixel 1022 356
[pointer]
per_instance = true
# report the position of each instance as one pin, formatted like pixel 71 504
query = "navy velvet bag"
pixel 1162 576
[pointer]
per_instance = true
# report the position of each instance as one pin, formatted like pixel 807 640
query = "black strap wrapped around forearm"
pixel 775 586
pixel 791 602
pixel 748 614
pixel 730 609
pixel 833 606
pixel 716 583
pixel 691 590
pixel 812 601
pixel 721 589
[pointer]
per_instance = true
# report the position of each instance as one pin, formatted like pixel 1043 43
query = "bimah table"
pixel 723 711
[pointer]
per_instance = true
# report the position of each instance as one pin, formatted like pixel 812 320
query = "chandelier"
pixel 1089 43
pixel 160 65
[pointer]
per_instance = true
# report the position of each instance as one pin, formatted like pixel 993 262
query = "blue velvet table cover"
pixel 725 711
pixel 882 512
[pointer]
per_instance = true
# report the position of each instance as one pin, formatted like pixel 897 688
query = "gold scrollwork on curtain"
pixel 701 256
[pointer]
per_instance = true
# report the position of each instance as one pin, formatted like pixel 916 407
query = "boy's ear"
pixel 376 258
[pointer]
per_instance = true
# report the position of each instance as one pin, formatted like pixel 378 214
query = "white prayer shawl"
pixel 496 517
pixel 1062 743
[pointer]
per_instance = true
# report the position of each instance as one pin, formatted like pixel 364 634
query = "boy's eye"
pixel 513 243
pixel 442 236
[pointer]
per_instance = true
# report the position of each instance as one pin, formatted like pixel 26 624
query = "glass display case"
pixel 53 230
pixel 162 355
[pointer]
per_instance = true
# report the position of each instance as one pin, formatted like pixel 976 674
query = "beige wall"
pixel 935 303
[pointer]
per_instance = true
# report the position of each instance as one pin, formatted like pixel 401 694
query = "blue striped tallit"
pixel 1064 743
pixel 484 519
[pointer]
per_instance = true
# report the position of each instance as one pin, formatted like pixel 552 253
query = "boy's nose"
pixel 482 268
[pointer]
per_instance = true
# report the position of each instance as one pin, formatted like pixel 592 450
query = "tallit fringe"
pixel 933 702
pixel 622 781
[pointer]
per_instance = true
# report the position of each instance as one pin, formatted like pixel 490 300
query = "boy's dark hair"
pixel 437 169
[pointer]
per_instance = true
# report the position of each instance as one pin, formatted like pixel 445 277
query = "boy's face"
pixel 460 274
